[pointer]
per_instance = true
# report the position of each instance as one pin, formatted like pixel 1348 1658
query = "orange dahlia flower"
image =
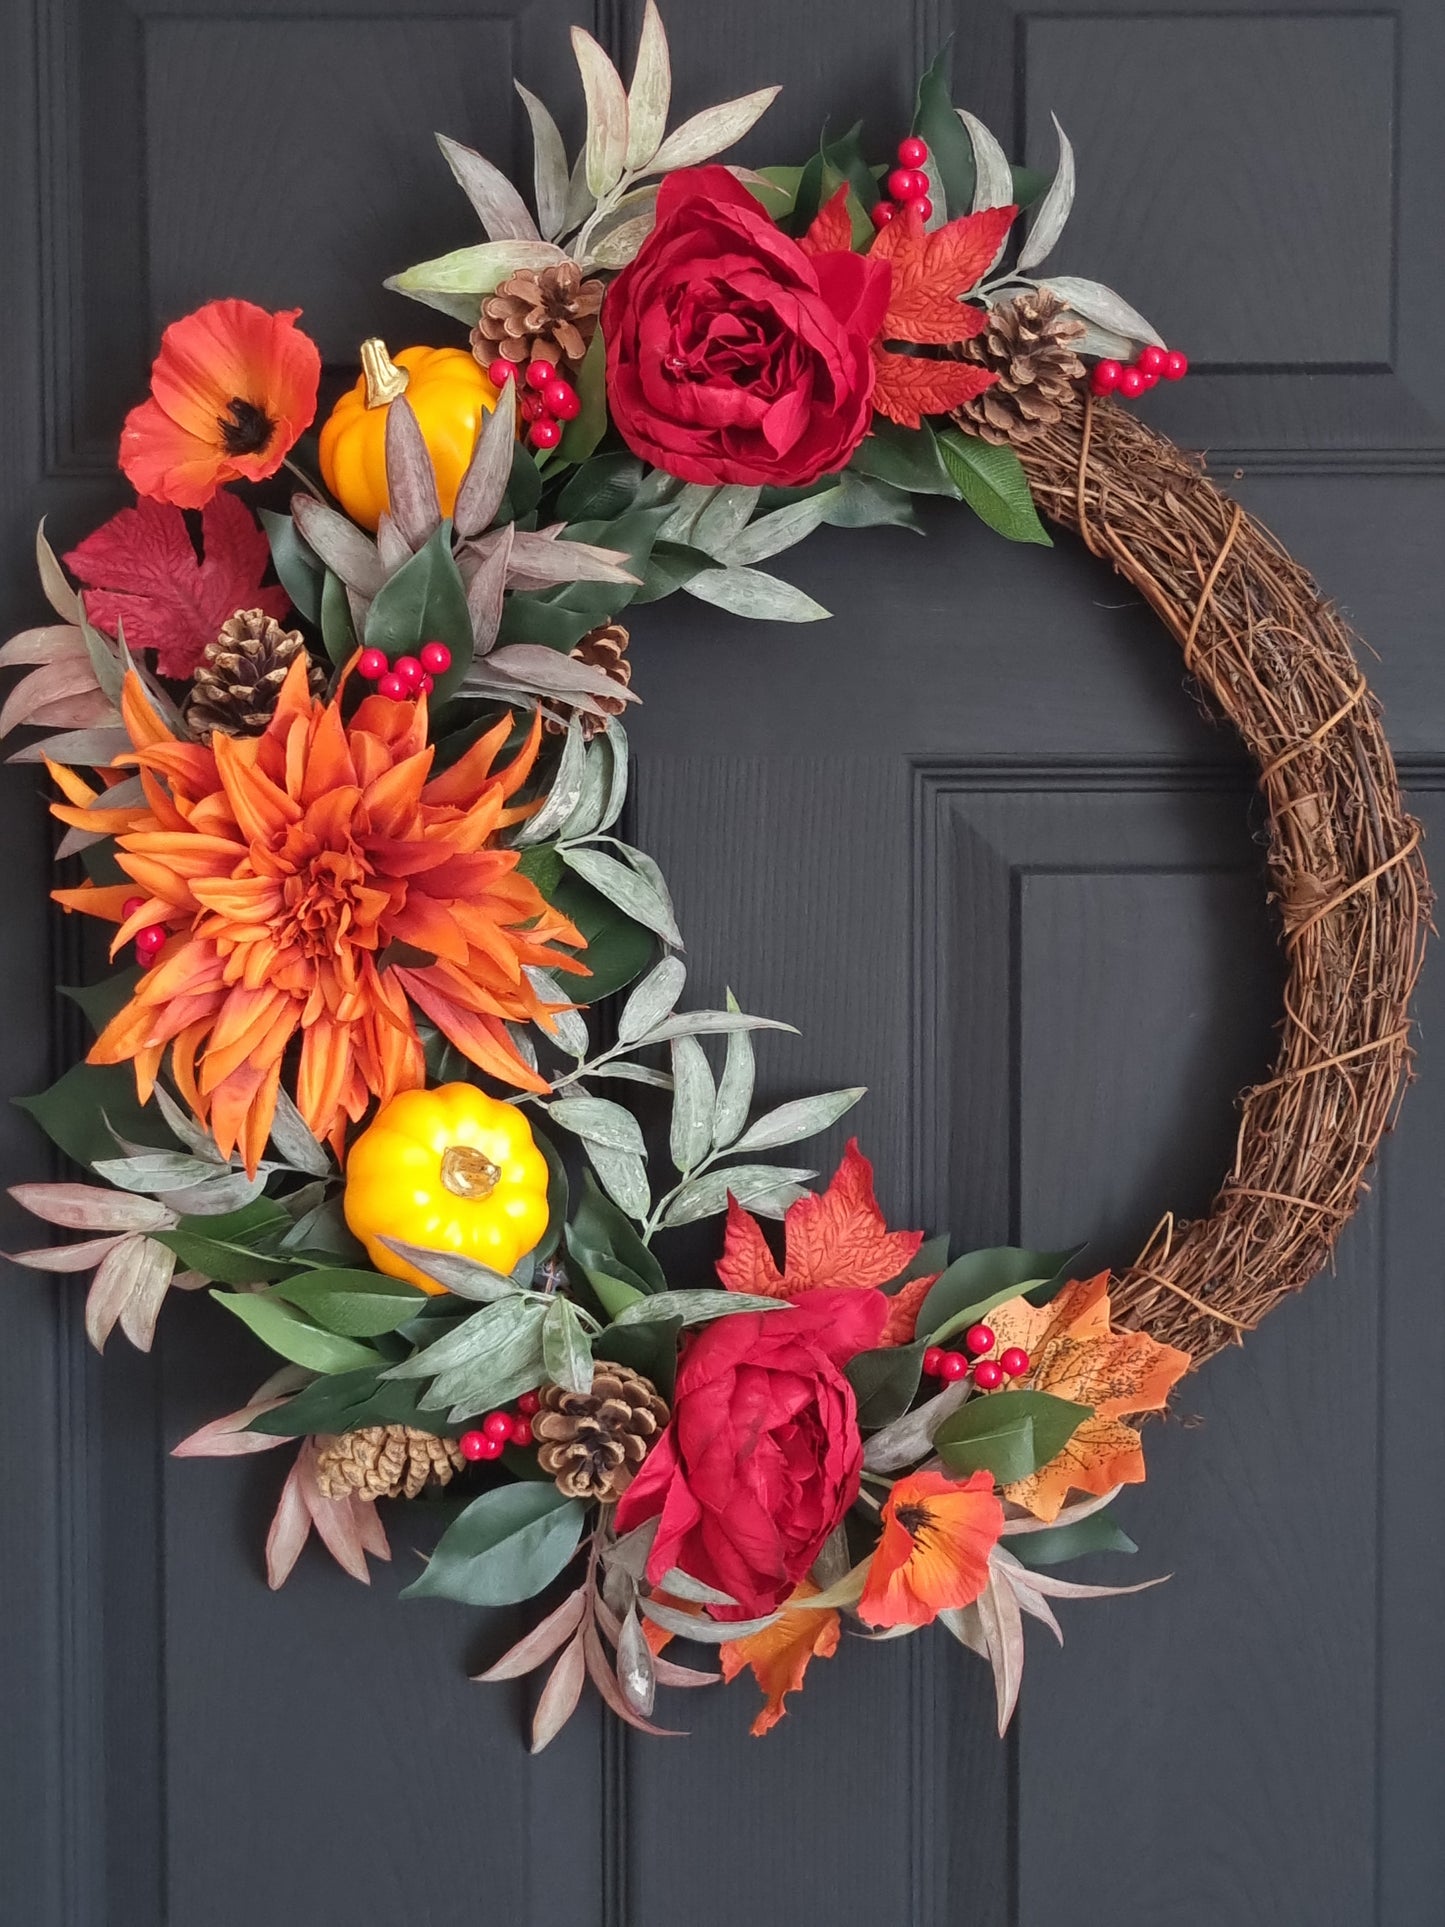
pixel 232 390
pixel 318 883
pixel 937 1535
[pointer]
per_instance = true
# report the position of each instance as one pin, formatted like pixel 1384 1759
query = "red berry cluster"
pixel 149 942
pixel 551 400
pixel 907 184
pixel 498 1430
pixel 1154 365
pixel 408 676
pixel 987 1373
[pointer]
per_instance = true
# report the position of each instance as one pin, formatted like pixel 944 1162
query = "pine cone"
pixel 237 681
pixel 548 314
pixel 384 1462
pixel 605 649
pixel 593 1442
pixel 1028 343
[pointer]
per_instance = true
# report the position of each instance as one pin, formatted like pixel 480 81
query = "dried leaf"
pixel 35 696
pixel 485 482
pixel 501 209
pixel 58 592
pixel 545 562
pixel 1003 1632
pixel 486 592
pixel 229 1437
pixel 561 1694
pixel 411 482
pixel 47 644
pixel 910 1437
pixel 81 1257
pixel 531 665
pixel 290 1528
pixel 635 1670
pixel 606 148
pixel 650 94
pixel 538 1645
pixel 549 165
pixel 712 131
pixel 149 1285
pixel 340 544
pixel 1053 210
pixel 90 1207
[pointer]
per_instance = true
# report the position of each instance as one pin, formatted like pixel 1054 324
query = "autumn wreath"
pixel 364 1068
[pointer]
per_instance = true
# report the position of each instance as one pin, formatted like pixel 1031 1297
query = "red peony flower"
pixel 232 390
pixel 733 353
pixel 762 1457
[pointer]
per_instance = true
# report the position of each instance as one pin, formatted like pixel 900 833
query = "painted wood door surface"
pixel 975 839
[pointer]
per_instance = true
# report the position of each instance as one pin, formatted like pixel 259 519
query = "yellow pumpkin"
pixel 448 393
pixel 453 1170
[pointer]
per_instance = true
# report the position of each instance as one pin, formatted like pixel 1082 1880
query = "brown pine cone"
pixel 384 1462
pixel 546 314
pixel 604 648
pixel 1029 345
pixel 237 682
pixel 593 1442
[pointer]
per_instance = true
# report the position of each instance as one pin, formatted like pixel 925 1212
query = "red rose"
pixel 734 355
pixel 762 1457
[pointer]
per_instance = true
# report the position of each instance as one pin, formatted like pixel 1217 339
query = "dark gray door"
pixel 975 839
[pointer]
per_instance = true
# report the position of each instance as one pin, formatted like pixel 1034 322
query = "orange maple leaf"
pixel 931 271
pixel 1074 1354
pixel 908 387
pixel 831 231
pixel 836 1241
pixel 780 1653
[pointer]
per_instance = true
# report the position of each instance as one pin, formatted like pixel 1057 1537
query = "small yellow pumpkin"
pixel 448 393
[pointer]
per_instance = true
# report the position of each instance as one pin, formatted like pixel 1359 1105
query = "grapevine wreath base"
pixel 356 831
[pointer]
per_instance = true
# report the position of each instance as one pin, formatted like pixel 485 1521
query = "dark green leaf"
pixel 885 1382
pixel 586 429
pixel 350 1399
pixel 506 1546
pixel 425 601
pixel 557 1197
pixel 604 487
pixel 524 489
pixel 930 1260
pixel 354 1304
pixel 1009 1434
pixel 299 568
pixel 992 481
pixel 102 1001
pixel 979 1280
pixel 935 122
pixel 240 1248
pixel 73 1112
pixel 530 615
pixel 1097 1533
pixel 1030 185
pixel 649 1349
pixel 670 566
pixel 905 458
pixel 294 1337
pixel 865 503
pixel 600 1225
pixel 617 948
pixel 337 630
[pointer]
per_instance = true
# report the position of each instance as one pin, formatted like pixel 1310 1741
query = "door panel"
pixel 975 839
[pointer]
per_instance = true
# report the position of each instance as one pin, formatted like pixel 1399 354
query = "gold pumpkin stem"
pixel 384 380
pixel 467 1173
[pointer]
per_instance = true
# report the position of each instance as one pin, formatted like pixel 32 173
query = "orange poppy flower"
pixel 317 886
pixel 937 1535
pixel 780 1653
pixel 232 390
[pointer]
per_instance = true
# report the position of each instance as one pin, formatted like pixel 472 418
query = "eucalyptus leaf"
pixel 623 886
pixel 549 165
pixel 724 517
pixel 993 177
pixel 711 132
pixel 735 1087
pixel 606 148
pixel 623 1175
pixel 704 1023
pixel 599 1121
pixel 465 1276
pixel 570 1027
pixel 755 595
pixel 770 534
pixel 804 1117
pixel 566 1353
pixel 704 1196
pixel 566 789
pixel 652 1000
pixel 697 1307
pixel 693 1101
pixel 1053 210
pixel 1092 301
pixel 500 208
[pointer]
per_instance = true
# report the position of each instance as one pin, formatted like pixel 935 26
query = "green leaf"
pixel 337 630
pixel 241 1248
pixel 936 123
pixel 1030 185
pixel 695 1307
pixel 293 1336
pixel 348 1400
pixel 425 601
pixel 613 1294
pixel 862 503
pixel 101 1001
pixel 354 1304
pixel 1052 1547
pixel 750 1184
pixel 604 487
pixel 979 1280
pixel 506 1546
pixel 670 566
pixel 930 1259
pixel 524 489
pixel 609 1235
pixel 755 594
pixel 623 886
pixel 905 458
pixel 1009 1434
pixel 73 1112
pixel 886 1382
pixel 649 1349
pixel 566 1353
pixel 300 570
pixel 586 429
pixel 992 481
pixel 804 1117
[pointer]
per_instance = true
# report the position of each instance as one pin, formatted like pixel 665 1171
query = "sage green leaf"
pixel 353 1304
pixel 754 594
pixel 600 1121
pixel 623 1175
pixel 1009 1434
pixel 623 886
pixel 606 148
pixel 708 1632
pixel 566 790
pixel 549 166
pixel 653 1000
pixel 704 1023
pixel 566 1352
pixel 991 480
pixel 704 1196
pixel 711 132
pixel 499 207
pixel 570 1027
pixel 724 517
pixel 617 748
pixel 218 1197
pixel 681 1585
pixel 735 1088
pixel 155 1171
pixel 693 1099
pixel 592 793
pixel 804 1117
pixel 473 272
pixel 506 1546
pixel 993 177
pixel 650 95
pixel 771 534
pixel 1053 209
pixel 467 1277
pixel 495 1332
pixel 295 1337
pixel 1092 301
pixel 697 1307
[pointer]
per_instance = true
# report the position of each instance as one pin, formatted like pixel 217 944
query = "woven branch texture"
pixel 1347 876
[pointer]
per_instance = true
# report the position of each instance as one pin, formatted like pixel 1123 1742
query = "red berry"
pixel 1176 366
pixel 932 1361
pixel 394 687
pixel 533 408
pixel 436 658
pixel 1151 380
pixel 426 685
pixel 372 664
pixel 529 1403
pixel 912 152
pixel 539 373
pixel 500 371
pixel 925 208
pixel 988 1375
pixel 1153 359
pixel 1132 382
pixel 563 400
pixel 1106 376
pixel 497 1425
pixel 1014 1362
pixel 409 669
pixel 883 213
pixel 952 1367
pixel 473 1445
pixel 907 184
pixel 544 432
pixel 979 1338
pixel 521 1430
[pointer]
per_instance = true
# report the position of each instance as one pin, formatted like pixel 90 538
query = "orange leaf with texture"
pixel 285 867
pixel 780 1653
pixel 831 231
pixel 933 1556
pixel 1074 1354
pixel 908 387
pixel 836 1241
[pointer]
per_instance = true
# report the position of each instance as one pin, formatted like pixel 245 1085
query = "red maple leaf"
pixel 141 572
pixel 931 271
pixel 831 231
pixel 838 1241
pixel 908 387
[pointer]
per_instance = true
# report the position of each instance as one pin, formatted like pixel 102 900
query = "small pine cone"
pixel 593 1442
pixel 604 648
pixel 384 1462
pixel 547 314
pixel 235 686
pixel 1029 345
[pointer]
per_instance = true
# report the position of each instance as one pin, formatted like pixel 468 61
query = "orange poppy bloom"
pixel 317 886
pixel 232 390
pixel 780 1653
pixel 937 1535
